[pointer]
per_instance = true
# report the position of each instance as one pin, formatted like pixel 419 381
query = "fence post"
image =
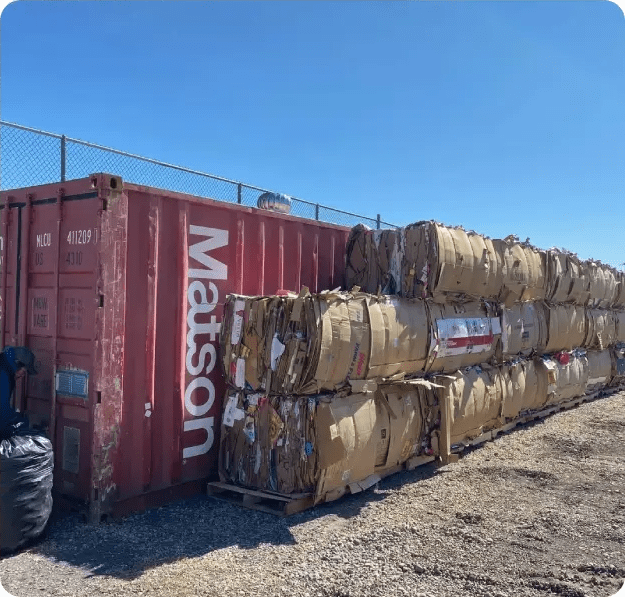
pixel 378 221
pixel 239 193
pixel 63 158
pixel 317 211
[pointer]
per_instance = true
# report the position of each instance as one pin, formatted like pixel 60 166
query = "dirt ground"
pixel 538 511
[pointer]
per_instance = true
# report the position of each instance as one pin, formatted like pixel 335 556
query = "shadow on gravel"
pixel 189 528
pixel 185 529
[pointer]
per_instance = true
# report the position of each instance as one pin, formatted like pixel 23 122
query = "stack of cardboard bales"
pixel 441 336
pixel 312 408
pixel 562 319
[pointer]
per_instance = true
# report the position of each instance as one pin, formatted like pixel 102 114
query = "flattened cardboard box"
pixel 326 445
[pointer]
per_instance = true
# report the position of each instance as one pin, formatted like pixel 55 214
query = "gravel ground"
pixel 538 511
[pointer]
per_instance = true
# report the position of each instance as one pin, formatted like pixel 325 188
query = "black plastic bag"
pixel 26 463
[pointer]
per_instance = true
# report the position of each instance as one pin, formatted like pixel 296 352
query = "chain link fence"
pixel 30 157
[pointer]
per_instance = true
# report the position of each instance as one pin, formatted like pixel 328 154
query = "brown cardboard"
pixel 369 260
pixel 430 260
pixel 600 329
pixel 566 325
pixel 525 272
pixel 603 284
pixel 307 343
pixel 439 259
pixel 523 329
pixel 619 301
pixel 327 444
pixel 619 319
pixel 564 380
pixel 599 369
pixel 476 401
pixel 524 391
pixel 566 282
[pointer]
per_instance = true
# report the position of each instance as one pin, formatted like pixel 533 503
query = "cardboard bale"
pixel 266 442
pixel 618 364
pixel 619 301
pixel 567 282
pixel 363 437
pixel 600 329
pixel 599 369
pixel 372 261
pixel 566 326
pixel 566 377
pixel 325 445
pixel 525 272
pixel 462 334
pixel 525 390
pixel 440 259
pixel 475 397
pixel 619 320
pixel 306 344
pixel 603 284
pixel 523 329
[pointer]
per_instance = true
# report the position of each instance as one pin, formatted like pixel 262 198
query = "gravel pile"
pixel 536 512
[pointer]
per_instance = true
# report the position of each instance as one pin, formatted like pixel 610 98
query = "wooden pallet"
pixel 285 505
pixel 265 501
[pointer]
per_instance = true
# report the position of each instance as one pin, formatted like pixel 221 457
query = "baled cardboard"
pixel 600 329
pixel 619 320
pixel 603 284
pixel 371 260
pixel 524 272
pixel 599 369
pixel 525 391
pixel 565 380
pixel 618 364
pixel 325 445
pixel 306 344
pixel 566 326
pixel 566 280
pixel 476 401
pixel 523 329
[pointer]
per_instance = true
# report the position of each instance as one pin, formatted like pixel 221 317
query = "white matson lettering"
pixel 197 364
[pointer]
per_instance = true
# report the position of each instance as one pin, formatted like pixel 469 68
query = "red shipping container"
pixel 118 290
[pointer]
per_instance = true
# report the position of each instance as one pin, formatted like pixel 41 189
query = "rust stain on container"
pixel 118 290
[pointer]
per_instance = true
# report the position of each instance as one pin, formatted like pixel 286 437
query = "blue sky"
pixel 505 117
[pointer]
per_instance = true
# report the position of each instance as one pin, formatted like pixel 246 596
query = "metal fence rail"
pixel 31 157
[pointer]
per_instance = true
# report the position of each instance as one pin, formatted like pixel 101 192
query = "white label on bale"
pixel 229 411
pixel 239 378
pixel 495 325
pixel 277 348
pixel 253 399
pixel 462 336
pixel 237 322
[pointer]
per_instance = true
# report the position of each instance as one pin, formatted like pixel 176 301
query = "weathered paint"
pixel 126 284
